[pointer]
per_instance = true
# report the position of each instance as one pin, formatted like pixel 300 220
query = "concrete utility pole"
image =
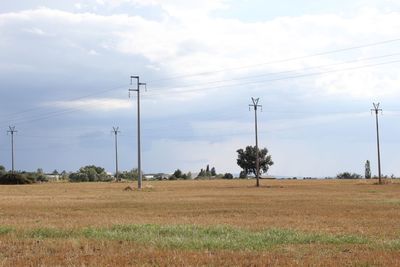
pixel 376 109
pixel 12 131
pixel 138 84
pixel 116 131
pixel 255 105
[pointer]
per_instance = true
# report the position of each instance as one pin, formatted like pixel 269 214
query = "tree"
pixel 202 173
pixel 208 170
pixel 90 173
pixel 129 175
pixel 247 160
pixel 177 174
pixel 2 170
pixel 367 170
pixel 213 172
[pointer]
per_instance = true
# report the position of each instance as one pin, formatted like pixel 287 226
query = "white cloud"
pixel 103 104
pixel 193 44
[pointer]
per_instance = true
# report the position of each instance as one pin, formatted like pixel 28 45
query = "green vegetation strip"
pixel 193 237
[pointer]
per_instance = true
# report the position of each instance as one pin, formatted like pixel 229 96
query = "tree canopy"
pixel 247 160
pixel 90 173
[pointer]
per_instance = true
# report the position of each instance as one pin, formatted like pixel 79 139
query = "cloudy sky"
pixel 317 67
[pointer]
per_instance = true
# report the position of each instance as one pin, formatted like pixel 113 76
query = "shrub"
pixel 228 176
pixel 243 175
pixel 348 175
pixel 90 173
pixel 16 178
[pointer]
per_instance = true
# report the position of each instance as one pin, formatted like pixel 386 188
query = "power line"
pixel 275 79
pixel 11 116
pixel 176 91
pixel 284 72
pixel 227 69
pixel 282 60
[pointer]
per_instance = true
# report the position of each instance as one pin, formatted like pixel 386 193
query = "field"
pixel 197 223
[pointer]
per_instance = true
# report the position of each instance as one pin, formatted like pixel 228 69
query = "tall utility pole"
pixel 376 109
pixel 116 131
pixel 255 105
pixel 138 84
pixel 12 131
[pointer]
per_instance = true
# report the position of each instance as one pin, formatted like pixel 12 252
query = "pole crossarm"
pixel 255 104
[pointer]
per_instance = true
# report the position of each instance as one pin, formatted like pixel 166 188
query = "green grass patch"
pixel 5 230
pixel 192 237
pixel 48 233
pixel 394 244
pixel 215 237
pixel 392 201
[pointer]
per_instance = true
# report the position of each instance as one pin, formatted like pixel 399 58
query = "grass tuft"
pixel 48 233
pixel 5 230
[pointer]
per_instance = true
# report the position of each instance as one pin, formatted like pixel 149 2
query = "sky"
pixel 316 67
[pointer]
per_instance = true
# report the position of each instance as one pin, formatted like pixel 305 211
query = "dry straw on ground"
pixel 327 222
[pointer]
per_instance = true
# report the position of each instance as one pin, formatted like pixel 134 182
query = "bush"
pixel 348 175
pixel 90 173
pixel 228 176
pixel 16 178
pixel 243 175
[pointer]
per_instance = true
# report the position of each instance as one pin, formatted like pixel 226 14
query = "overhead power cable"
pixel 279 60
pixel 60 112
pixel 281 72
pixel 176 91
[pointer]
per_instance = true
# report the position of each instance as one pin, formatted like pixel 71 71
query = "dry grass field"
pixel 201 223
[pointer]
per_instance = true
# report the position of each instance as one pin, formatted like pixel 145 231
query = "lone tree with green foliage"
pixel 247 160
pixel 367 170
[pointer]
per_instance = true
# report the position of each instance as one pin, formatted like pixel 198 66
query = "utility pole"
pixel 138 84
pixel 116 131
pixel 12 131
pixel 255 105
pixel 376 109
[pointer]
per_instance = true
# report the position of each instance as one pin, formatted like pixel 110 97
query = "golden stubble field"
pixel 333 208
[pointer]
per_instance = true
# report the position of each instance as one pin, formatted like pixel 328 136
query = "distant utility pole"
pixel 12 131
pixel 116 131
pixel 138 84
pixel 255 105
pixel 377 110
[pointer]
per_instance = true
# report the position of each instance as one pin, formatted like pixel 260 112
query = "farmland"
pixel 216 222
